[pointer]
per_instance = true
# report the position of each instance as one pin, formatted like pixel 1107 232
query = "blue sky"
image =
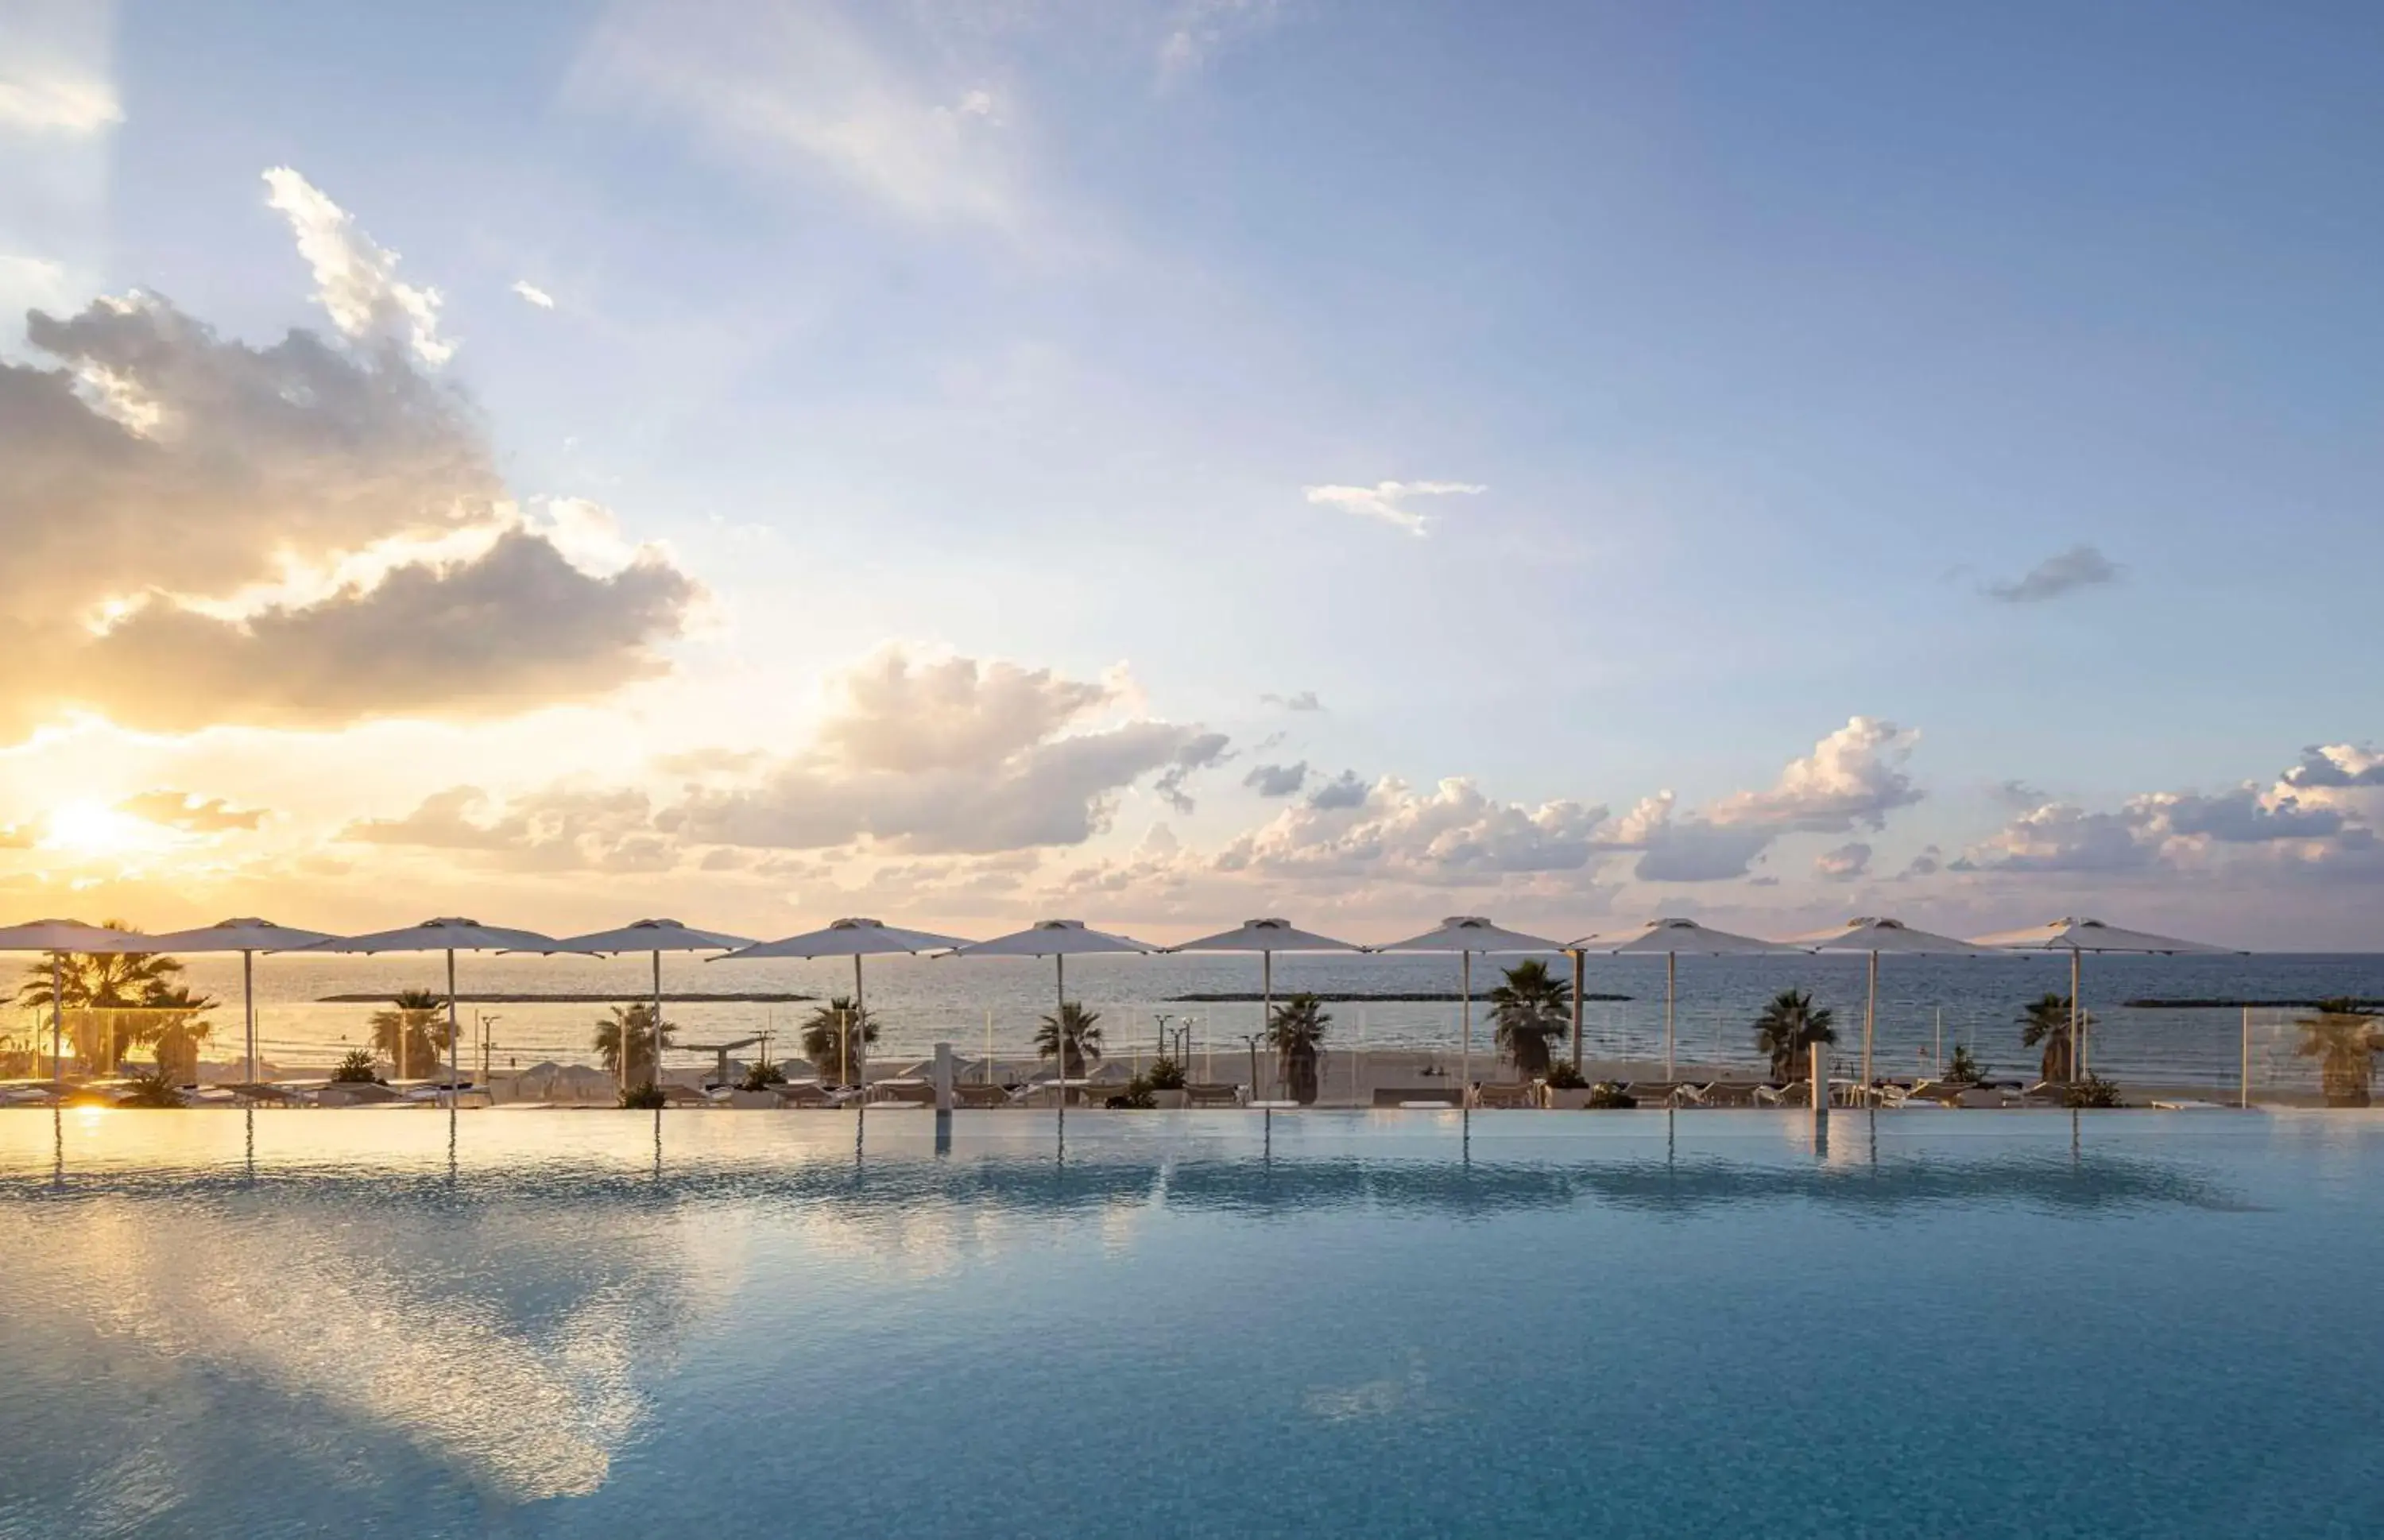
pixel 1765 342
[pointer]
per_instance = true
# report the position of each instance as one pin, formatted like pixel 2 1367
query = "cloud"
pixel 192 814
pixel 803 88
pixel 1854 777
pixel 1278 780
pixel 33 102
pixel 201 531
pixel 956 756
pixel 1343 791
pixel 2019 794
pixel 2335 767
pixel 516 627
pixel 2081 566
pixel 1928 864
pixel 1689 849
pixel 1844 864
pixel 357 281
pixel 1387 500
pixel 2315 815
pixel 533 293
pixel 1305 700
pixel 1200 29
pixel 557 829
pixel 1449 834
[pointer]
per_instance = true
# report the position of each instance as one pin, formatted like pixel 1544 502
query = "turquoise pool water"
pixel 1387 1325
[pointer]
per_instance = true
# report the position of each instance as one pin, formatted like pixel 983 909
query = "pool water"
pixel 1206 1323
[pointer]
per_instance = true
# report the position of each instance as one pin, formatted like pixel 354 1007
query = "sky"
pixel 1165 462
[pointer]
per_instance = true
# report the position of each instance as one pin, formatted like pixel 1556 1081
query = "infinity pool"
pixel 1389 1324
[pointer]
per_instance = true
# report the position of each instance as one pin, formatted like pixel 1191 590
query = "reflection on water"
pixel 486 1309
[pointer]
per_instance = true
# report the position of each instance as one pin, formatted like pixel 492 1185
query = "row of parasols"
pixel 1464 935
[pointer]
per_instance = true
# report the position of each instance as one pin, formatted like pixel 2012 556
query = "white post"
pixel 452 1031
pixel 860 1014
pixel 1820 1086
pixel 1577 967
pixel 1671 965
pixel 248 999
pixel 988 1045
pixel 1870 1016
pixel 2077 1021
pixel 57 1018
pixel 1060 1036
pixel 2244 1099
pixel 943 1078
pixel 1465 1033
pixel 1940 1040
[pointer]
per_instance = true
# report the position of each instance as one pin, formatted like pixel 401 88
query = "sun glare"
pixel 96 828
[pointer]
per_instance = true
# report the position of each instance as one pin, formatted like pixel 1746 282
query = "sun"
pixel 92 828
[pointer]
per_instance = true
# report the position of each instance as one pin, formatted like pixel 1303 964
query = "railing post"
pixel 1820 1086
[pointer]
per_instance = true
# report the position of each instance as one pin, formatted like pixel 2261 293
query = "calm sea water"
pixel 605 1325
pixel 921 1000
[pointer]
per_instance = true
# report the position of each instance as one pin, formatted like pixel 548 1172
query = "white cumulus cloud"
pixel 1388 501
pixel 533 293
pixel 355 280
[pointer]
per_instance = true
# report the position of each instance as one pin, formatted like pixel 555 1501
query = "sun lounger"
pixel 1212 1096
pixel 803 1093
pixel 1507 1095
pixel 902 1093
pixel 1729 1093
pixel 968 1093
pixel 1416 1096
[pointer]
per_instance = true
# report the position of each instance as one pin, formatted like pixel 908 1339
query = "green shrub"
pixel 2092 1091
pixel 646 1098
pixel 1165 1074
pixel 1137 1094
pixel 1606 1096
pixel 1563 1076
pixel 761 1077
pixel 1963 1070
pixel 355 1068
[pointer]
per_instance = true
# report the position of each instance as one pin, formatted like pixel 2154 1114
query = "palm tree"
pixel 2345 1038
pixel 2047 1020
pixel 832 1033
pixel 1297 1033
pixel 1080 1029
pixel 89 983
pixel 624 1040
pixel 412 1032
pixel 1789 1027
pixel 1531 1007
pixel 100 980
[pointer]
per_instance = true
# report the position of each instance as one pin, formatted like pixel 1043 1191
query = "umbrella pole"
pixel 2077 1021
pixel 57 1018
pixel 1671 974
pixel 248 1007
pixel 1871 1016
pixel 451 1029
pixel 655 1074
pixel 1578 958
pixel 861 1013
pixel 1465 1031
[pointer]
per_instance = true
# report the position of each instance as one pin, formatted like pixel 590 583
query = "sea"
pixel 1927 1006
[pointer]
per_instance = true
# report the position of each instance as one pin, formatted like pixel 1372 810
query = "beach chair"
pixel 1507 1095
pixel 1415 1096
pixel 803 1093
pixel 1687 1094
pixel 974 1094
pixel 1212 1096
pixel 902 1093
pixel 1729 1093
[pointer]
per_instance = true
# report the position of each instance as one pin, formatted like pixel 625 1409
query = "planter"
pixel 1171 1102
pixel 753 1098
pixel 1571 1100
